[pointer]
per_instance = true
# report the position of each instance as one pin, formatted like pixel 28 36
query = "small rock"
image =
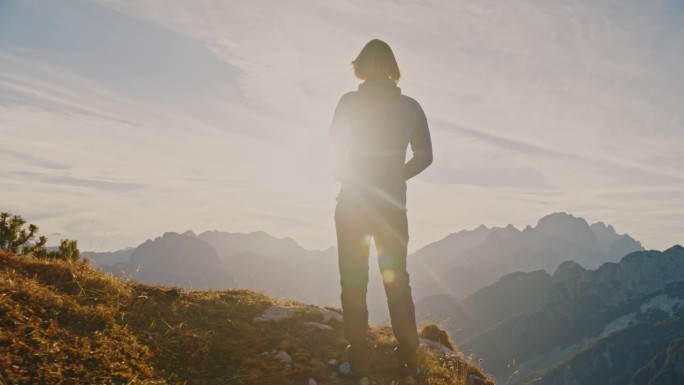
pixel 318 325
pixel 329 314
pixel 275 313
pixel 332 362
pixel 435 346
pixel 345 369
pixel 283 357
pixel 312 382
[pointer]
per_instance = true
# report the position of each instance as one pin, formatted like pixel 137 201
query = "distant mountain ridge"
pixel 457 265
pixel 258 242
pixel 109 258
pixel 223 260
pixel 278 266
pixel 179 260
pixel 462 263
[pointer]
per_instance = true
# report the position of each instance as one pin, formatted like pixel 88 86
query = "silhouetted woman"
pixel 371 131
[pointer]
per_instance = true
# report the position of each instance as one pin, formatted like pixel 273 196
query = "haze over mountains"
pixel 456 265
pixel 222 260
pixel 466 261
pixel 179 260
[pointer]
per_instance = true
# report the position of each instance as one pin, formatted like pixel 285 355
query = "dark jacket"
pixel 370 132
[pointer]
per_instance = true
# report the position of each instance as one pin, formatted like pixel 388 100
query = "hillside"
pixel 577 313
pixel 512 294
pixel 72 324
pixel 642 354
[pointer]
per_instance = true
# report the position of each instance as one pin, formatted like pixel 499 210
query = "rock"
pixel 283 357
pixel 476 379
pixel 318 325
pixel 275 313
pixel 332 362
pixel 329 314
pixel 435 346
pixel 345 369
pixel 312 382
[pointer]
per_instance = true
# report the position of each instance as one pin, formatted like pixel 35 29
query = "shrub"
pixel 15 236
pixel 68 251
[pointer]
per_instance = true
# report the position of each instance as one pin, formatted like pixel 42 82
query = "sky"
pixel 122 119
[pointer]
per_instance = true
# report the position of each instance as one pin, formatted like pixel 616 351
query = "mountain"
pixel 665 368
pixel 179 260
pixel 109 259
pixel 456 266
pixel 220 260
pixel 462 263
pixel 308 276
pixel 646 353
pixel 512 294
pixel 68 323
pixel 576 314
pixel 278 266
pixel 258 242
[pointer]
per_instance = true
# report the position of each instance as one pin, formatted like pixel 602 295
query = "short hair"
pixel 376 60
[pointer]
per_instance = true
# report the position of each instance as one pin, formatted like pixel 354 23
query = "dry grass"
pixel 63 323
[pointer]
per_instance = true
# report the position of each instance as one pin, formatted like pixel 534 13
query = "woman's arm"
pixel 421 145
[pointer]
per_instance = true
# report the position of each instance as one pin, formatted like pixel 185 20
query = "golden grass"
pixel 63 323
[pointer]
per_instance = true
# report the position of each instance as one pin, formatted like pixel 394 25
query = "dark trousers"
pixel 356 225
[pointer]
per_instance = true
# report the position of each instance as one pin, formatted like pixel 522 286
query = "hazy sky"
pixel 120 120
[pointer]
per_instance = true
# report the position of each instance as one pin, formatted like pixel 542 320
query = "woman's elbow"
pixel 428 159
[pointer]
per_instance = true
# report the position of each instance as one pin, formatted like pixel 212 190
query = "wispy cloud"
pixel 70 181
pixel 213 115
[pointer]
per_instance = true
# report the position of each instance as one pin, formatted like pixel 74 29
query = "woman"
pixel 370 132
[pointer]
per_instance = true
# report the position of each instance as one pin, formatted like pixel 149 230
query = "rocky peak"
pixel 558 224
pixel 567 270
pixel 605 235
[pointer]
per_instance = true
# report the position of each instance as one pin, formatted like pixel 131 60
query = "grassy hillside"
pixel 69 323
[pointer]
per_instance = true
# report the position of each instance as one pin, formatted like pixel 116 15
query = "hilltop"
pixel 70 323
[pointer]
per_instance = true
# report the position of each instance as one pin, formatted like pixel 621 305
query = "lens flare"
pixel 388 275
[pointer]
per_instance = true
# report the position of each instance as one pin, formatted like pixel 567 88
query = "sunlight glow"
pixel 530 112
pixel 388 275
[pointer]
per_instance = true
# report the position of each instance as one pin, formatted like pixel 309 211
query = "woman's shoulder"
pixel 347 98
pixel 409 101
pixel 349 95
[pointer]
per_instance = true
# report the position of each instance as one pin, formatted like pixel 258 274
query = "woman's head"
pixel 376 61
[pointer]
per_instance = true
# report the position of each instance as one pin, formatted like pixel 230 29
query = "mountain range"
pixel 456 265
pixel 464 262
pixel 223 260
pixel 604 326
